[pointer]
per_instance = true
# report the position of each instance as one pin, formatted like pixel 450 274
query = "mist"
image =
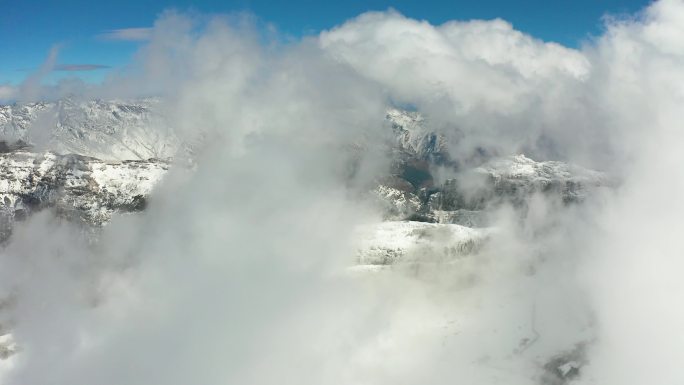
pixel 239 271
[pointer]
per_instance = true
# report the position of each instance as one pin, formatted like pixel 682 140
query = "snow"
pixel 107 130
pixel 134 180
pixel 412 134
pixel 521 167
pixel 92 188
pixel 101 163
pixel 396 203
pixel 403 241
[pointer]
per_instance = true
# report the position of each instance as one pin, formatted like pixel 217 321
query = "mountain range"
pixel 89 161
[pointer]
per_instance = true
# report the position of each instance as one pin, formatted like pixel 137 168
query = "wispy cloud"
pixel 7 92
pixel 79 67
pixel 30 88
pixel 127 34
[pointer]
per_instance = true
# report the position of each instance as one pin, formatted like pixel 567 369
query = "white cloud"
pixel 7 92
pixel 31 88
pixel 233 274
pixel 127 34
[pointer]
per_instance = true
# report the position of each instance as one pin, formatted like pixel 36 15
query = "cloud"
pixel 79 67
pixel 127 34
pixel 236 272
pixel 31 88
pixel 7 92
pixel 458 70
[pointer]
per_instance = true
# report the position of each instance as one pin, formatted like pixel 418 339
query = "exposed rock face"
pixel 413 138
pixel 464 199
pixel 411 192
pixel 76 186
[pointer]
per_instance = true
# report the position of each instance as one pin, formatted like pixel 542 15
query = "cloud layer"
pixel 236 273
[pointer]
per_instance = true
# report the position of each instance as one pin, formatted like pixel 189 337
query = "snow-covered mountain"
pixel 77 187
pixel 463 199
pixel 107 130
pixel 413 137
pixel 403 242
pixel 89 159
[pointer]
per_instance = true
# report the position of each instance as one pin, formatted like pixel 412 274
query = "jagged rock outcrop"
pixel 77 187
pixel 414 138
pixel 465 199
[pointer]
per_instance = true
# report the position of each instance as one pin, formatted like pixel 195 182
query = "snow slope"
pixel 394 242
pixel 108 130
pixel 76 186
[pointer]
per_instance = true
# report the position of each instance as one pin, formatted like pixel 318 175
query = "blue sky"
pixel 29 28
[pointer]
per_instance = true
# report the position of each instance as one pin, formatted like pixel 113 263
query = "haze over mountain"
pixel 386 202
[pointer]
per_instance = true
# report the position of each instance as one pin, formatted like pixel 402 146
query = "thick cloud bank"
pixel 237 272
